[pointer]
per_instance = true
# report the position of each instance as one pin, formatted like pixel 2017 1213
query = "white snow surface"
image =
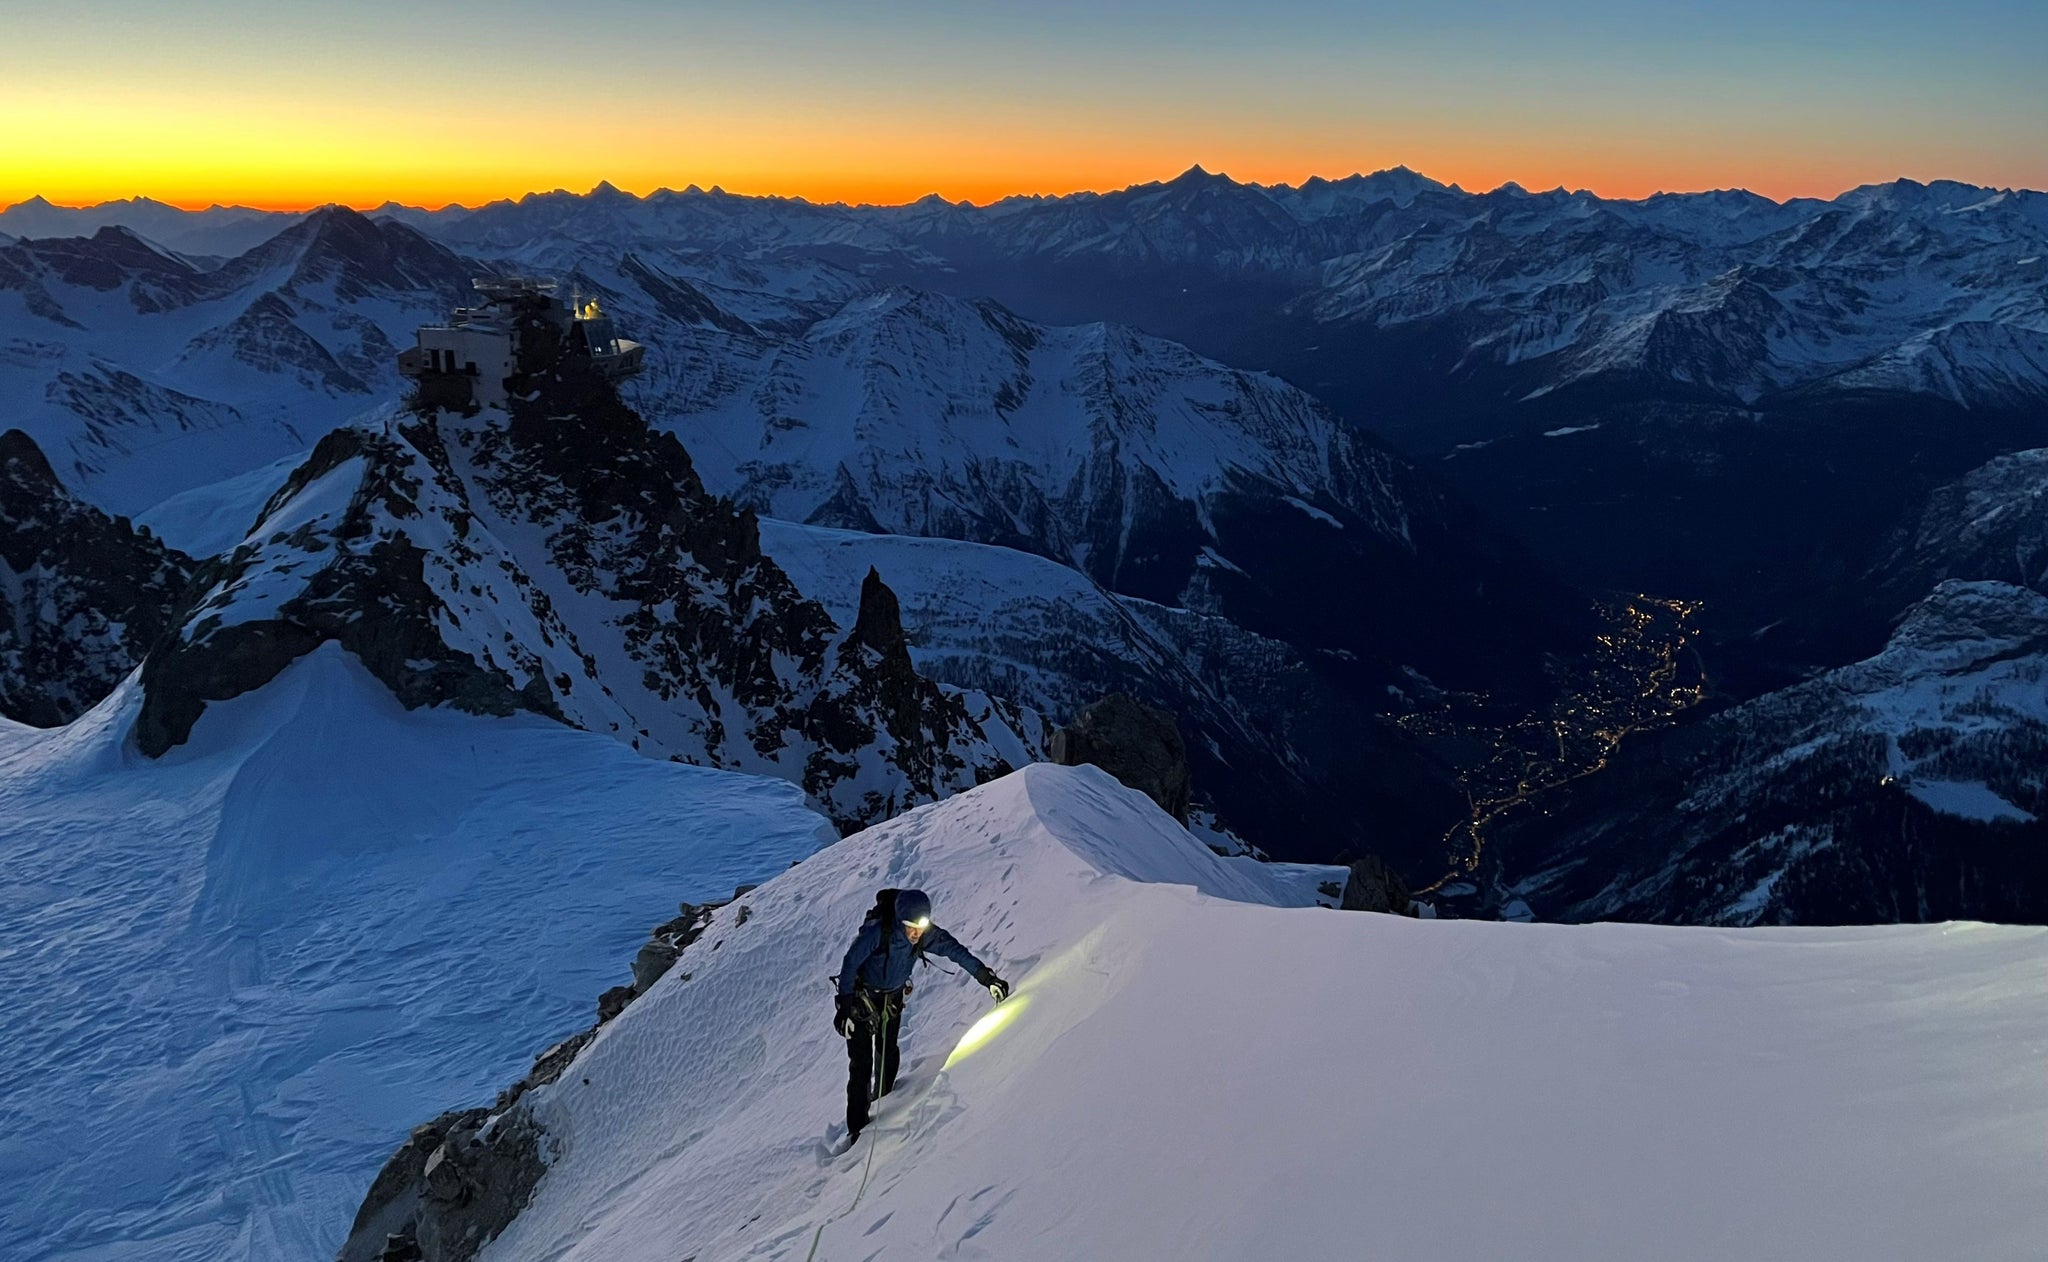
pixel 1970 799
pixel 212 519
pixel 930 415
pixel 1190 1068
pixel 235 977
pixel 174 378
pixel 1030 629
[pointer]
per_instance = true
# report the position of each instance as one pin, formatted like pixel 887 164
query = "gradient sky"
pixel 287 103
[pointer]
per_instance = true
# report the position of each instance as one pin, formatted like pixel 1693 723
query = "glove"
pixel 843 1019
pixel 998 989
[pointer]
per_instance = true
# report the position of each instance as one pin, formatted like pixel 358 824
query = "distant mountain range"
pixel 1203 508
pixel 1931 289
pixel 217 231
pixel 1792 411
pixel 142 373
pixel 1656 394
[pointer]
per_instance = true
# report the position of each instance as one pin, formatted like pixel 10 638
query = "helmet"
pixel 913 907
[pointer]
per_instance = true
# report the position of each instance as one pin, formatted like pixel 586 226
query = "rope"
pixel 820 1233
pixel 874 1143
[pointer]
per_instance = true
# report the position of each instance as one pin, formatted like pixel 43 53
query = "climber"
pixel 875 980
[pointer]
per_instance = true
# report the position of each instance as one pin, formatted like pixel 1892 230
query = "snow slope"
pixel 1191 1069
pixel 916 414
pixel 1024 627
pixel 234 977
pixel 210 520
pixel 568 561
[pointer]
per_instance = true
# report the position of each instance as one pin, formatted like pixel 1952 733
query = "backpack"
pixel 884 909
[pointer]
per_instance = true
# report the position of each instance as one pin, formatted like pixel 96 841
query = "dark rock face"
pixel 1376 887
pixel 387 1212
pixel 82 595
pixel 1989 524
pixel 1906 787
pixel 477 1181
pixel 566 560
pixel 612 1002
pixel 1992 524
pixel 458 1180
pixel 366 589
pixel 873 698
pixel 1137 744
pixel 656 958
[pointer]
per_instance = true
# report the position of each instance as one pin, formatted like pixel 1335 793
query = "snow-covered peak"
pixel 217 230
pixel 354 255
pixel 1317 197
pixel 1062 435
pixel 1992 523
pixel 1961 627
pixel 1195 177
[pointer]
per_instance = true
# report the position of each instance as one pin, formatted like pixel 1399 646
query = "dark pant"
pixel 874 1032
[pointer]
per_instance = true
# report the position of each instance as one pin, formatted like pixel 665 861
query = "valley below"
pixel 1646 673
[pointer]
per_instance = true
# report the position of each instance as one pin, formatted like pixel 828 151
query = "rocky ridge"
pixel 566 560
pixel 83 595
pixel 1992 523
pixel 458 1179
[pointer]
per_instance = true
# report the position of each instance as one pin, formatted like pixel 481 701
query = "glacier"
pixel 236 975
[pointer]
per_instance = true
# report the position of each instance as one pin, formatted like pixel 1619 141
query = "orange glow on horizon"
pixel 79 148
pixel 288 104
pixel 1790 180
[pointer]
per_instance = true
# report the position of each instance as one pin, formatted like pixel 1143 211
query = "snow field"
pixel 1191 1070
pixel 208 520
pixel 236 977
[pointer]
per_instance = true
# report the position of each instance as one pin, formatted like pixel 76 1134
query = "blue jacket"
pixel 885 965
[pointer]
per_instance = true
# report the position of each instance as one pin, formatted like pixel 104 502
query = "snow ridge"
pixel 1144 971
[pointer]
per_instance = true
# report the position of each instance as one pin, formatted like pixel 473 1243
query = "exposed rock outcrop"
pixel 337 572
pixel 1137 744
pixel 873 700
pixel 459 1179
pixel 565 559
pixel 82 595
pixel 1376 887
